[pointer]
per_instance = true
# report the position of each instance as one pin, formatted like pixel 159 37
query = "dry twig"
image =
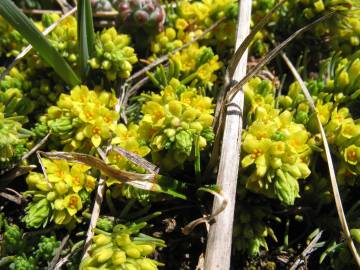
pixel 218 248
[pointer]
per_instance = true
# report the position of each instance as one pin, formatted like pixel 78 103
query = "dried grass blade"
pixel 14 173
pixel 36 147
pixel 332 173
pixel 94 216
pixel 124 176
pixel 15 199
pixel 245 44
pixel 310 248
pixel 271 55
pixel 150 167
pixel 56 258
pixel 64 5
pixel 223 202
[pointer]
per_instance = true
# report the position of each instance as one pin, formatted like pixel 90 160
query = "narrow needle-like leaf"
pixel 85 36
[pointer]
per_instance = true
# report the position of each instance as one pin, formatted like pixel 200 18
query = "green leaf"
pixel 29 31
pixel 85 36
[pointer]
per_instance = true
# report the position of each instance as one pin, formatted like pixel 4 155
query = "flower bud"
pixel 119 257
pixel 146 250
pixel 101 240
pixel 122 239
pixel 104 255
pixel 355 233
pixel 132 251
pixel 190 115
pixel 61 188
pixel 202 142
pixel 146 264
pixel 343 79
pixel 129 266
pixel 175 107
pixel 170 33
pixel 51 196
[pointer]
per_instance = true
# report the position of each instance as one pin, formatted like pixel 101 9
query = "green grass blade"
pixel 29 31
pixel 85 36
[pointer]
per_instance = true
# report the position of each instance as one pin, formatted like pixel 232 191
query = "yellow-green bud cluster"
pixel 257 93
pixel 173 121
pixel 13 140
pixel 165 42
pixel 83 119
pixel 64 39
pixel 343 29
pixel 14 79
pixel 198 63
pixel 343 132
pixel 202 14
pixel 251 229
pixel 345 77
pixel 113 55
pixel 42 89
pixel 13 103
pixel 278 147
pixel 59 195
pixel 124 249
pixel 13 137
pixel 11 42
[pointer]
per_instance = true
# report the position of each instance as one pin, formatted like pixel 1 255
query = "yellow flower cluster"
pixel 278 147
pixel 60 195
pixel 121 250
pixel 83 119
pixel 343 132
pixel 64 39
pixel 165 42
pixel 173 120
pixel 345 77
pixel 251 230
pixel 200 61
pixel 128 138
pixel 11 41
pixel 202 14
pixel 258 92
pixel 113 55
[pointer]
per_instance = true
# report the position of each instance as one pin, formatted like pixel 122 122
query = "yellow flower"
pixel 90 183
pixel 61 217
pixel 57 168
pixel 72 203
pixel 181 24
pixel 89 113
pixel 108 116
pixel 352 154
pixel 76 177
pixel 97 132
pixel 155 110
